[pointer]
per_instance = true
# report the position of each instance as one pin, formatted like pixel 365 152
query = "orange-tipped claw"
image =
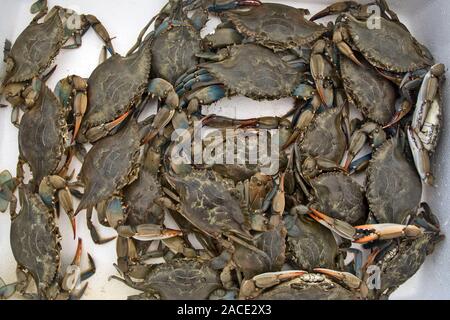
pixel 270 278
pixel 386 231
pixel 341 228
pixel 321 92
pixel 347 278
pixel 77 258
pixel 406 107
pixel 170 233
pixel 347 164
pixel 80 106
pixel 111 125
pixel 367 239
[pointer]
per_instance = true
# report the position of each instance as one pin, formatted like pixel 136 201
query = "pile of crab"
pixel 342 217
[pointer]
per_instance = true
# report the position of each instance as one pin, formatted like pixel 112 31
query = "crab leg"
pixel 7 290
pixel 336 8
pixel 350 280
pixel 73 272
pixel 162 89
pixel 427 94
pixel 234 4
pixel 341 228
pixel 251 288
pixel 93 231
pixel 366 233
pixel 402 107
pixel 55 184
pixel 421 156
pixel 359 138
pixel 147 232
pixel 339 37
pixel 387 231
pixel 101 32
pixel 80 103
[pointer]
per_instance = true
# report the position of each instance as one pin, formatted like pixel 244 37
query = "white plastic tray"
pixel 428 20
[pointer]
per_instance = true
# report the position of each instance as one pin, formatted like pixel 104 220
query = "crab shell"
pixel 325 137
pixel 114 87
pixel 390 47
pixel 394 189
pixel 174 52
pixel 183 279
pixel 110 165
pixel 310 245
pixel 139 198
pixel 44 135
pixel 35 49
pixel 255 72
pixel 211 203
pixel 340 197
pixel 310 286
pixel 34 241
pixel 401 261
pixel 276 26
pixel 273 243
pixel 373 95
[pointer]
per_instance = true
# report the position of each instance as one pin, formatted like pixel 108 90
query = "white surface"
pixel 428 20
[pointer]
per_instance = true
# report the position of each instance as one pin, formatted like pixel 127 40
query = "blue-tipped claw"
pixel 206 77
pixel 217 8
pixel 206 95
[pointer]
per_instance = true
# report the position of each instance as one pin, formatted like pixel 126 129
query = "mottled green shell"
pixel 394 189
pixel 43 135
pixel 340 197
pixel 373 95
pixel 35 49
pixel 390 47
pixel 325 137
pixel 183 279
pixel 310 245
pixel 115 86
pixel 208 201
pixel 174 52
pixel 34 240
pixel 139 199
pixel 276 26
pixel 255 72
pixel 252 263
pixel 111 164
pixel 402 260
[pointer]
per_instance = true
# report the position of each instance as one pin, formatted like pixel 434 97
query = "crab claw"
pixel 73 271
pixel 80 106
pixel 163 89
pixel 318 73
pixel 344 48
pixel 402 109
pixel 341 228
pixel 279 201
pixel 51 185
pixel 386 231
pixel 147 232
pixel 270 279
pixel 7 290
pixel 421 157
pixel 217 8
pixel 336 9
pixel 348 279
